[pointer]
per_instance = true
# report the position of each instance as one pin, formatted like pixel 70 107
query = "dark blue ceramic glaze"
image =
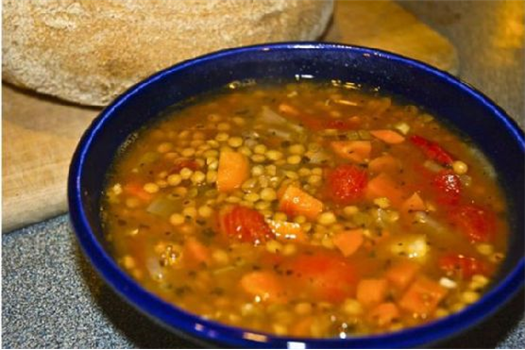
pixel 456 102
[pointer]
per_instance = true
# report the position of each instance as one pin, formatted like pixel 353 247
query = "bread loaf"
pixel 88 51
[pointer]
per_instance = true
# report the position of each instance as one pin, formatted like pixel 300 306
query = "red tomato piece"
pixel 432 150
pixel 328 277
pixel 462 266
pixel 339 124
pixel 346 183
pixel 476 223
pixel 448 187
pixel 245 225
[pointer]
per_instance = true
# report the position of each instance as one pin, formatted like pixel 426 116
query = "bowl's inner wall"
pixel 437 94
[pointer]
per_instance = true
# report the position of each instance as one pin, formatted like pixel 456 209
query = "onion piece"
pixel 164 207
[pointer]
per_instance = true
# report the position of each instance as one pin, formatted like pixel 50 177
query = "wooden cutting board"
pixel 41 133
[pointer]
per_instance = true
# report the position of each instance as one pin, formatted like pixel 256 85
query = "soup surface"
pixel 312 210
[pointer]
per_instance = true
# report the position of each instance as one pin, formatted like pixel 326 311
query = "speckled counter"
pixel 52 298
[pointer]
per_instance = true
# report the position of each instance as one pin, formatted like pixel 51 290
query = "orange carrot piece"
pixel 383 314
pixel 372 291
pixel 287 231
pixel 263 284
pixel 413 203
pixel 383 186
pixel 401 274
pixel 137 190
pixel 233 170
pixel 294 201
pixel 356 151
pixel 422 297
pixel 348 241
pixel 388 136
pixel 196 252
pixel 385 163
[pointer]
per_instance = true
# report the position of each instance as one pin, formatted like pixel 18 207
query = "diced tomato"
pixel 432 150
pixel 462 266
pixel 328 277
pixel 447 186
pixel 245 225
pixel 346 183
pixel 476 223
pixel 341 124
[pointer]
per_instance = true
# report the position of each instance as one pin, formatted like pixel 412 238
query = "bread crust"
pixel 88 51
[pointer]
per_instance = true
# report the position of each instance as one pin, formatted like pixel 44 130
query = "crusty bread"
pixel 89 51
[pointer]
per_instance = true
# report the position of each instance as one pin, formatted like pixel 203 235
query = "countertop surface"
pixel 52 298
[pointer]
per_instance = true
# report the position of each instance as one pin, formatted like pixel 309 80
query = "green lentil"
pixel 294 160
pixel 186 173
pixel 151 187
pixel 268 194
pixel 314 180
pixel 177 219
pixel 262 205
pixel 222 136
pixel 327 218
pixel 223 126
pixel 279 216
pixel 198 177
pixel 189 212
pixel 258 158
pixel 252 197
pixel 274 155
pixel 235 142
pixel 211 176
pixel 260 149
pixel 205 211
pixel 297 149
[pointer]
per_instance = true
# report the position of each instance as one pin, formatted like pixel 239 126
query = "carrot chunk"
pixel 372 291
pixel 356 151
pixel 196 253
pixel 385 163
pixel 285 230
pixel 233 170
pixel 422 297
pixel 327 277
pixel 137 190
pixel 401 274
pixel 294 201
pixel 383 186
pixel 264 284
pixel 413 203
pixel 348 241
pixel 388 136
pixel 383 314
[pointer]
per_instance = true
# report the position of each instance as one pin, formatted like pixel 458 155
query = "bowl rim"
pixel 179 320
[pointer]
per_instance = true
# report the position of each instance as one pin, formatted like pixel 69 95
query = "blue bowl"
pixel 456 102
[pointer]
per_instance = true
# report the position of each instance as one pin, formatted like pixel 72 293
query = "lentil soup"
pixel 312 210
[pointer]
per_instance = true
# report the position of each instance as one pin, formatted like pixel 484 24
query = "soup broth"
pixel 312 210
